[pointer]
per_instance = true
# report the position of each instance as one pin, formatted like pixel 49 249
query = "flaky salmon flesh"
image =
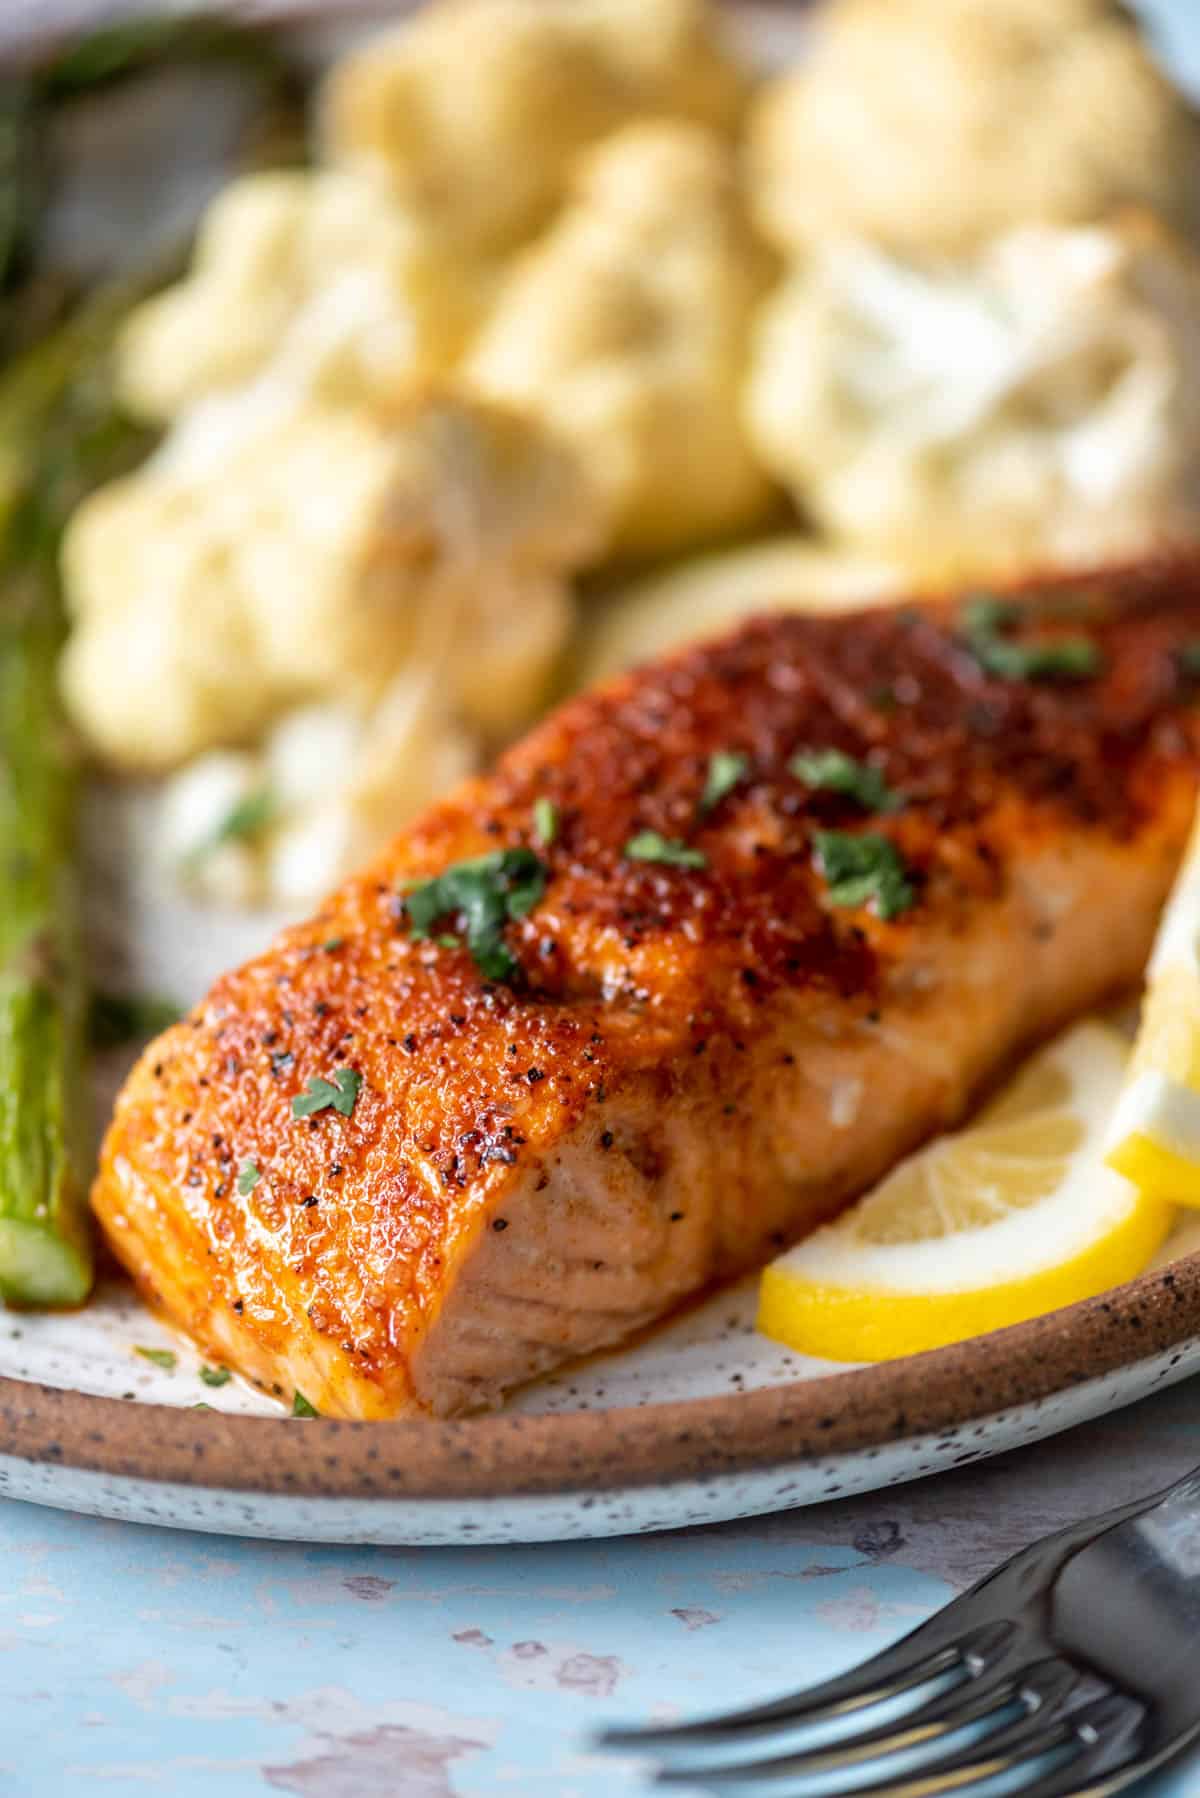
pixel 700 984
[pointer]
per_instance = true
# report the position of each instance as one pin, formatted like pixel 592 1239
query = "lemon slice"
pixel 1154 1139
pixel 1011 1217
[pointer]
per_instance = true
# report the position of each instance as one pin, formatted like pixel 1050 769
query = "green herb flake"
pixel 201 1406
pixel 985 618
pixel 830 771
pixel 1188 659
pixel 248 1178
pixel 332 944
pixel 164 1358
pixel 301 1406
pixel 215 1376
pixel 864 870
pixel 339 1094
pixel 115 1019
pixel 984 615
pixel 651 846
pixel 246 819
pixel 448 941
pixel 726 767
pixel 1069 658
pixel 244 822
pixel 545 820
pixel 481 895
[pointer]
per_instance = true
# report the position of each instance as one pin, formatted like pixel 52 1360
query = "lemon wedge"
pixel 1154 1139
pixel 1004 1220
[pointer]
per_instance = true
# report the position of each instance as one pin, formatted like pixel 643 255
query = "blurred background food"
pixel 1034 400
pixel 315 279
pixel 585 329
pixel 626 328
pixel 930 126
pixel 361 602
pixel 702 595
pixel 475 112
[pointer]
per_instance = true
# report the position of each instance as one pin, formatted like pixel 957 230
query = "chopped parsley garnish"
pixel 301 1406
pixel 830 771
pixel 984 621
pixel 725 768
pixel 448 942
pixel 246 819
pixel 215 1376
pixel 1188 659
pixel 862 870
pixel 651 846
pixel 338 1094
pixel 118 1018
pixel 248 1178
pixel 165 1358
pixel 1070 658
pixel 545 820
pixel 481 896
pixel 984 615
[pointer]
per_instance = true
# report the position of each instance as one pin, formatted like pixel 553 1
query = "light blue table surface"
pixel 135 1660
pixel 140 1660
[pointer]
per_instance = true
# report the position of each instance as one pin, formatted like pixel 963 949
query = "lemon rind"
pixel 872 1324
pixel 1156 1169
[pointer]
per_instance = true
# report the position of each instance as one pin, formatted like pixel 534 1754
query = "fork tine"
pixel 1114 1772
pixel 889 1674
pixel 1040 1690
pixel 1105 1727
pixel 1003 1751
pixel 1109 1761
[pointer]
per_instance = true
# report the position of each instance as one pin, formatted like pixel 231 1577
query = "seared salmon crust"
pixel 692 1064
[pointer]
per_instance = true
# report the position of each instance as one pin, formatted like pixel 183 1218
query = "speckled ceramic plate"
pixel 701 1421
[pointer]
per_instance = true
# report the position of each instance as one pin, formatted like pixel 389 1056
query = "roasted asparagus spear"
pixel 45 1255
pixel 60 435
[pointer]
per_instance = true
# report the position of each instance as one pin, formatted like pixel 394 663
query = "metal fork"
pixel 1073 1669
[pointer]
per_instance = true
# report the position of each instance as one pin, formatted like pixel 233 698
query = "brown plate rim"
pixel 518 1455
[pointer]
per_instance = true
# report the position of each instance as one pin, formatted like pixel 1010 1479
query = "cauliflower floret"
pixel 207 599
pixel 1040 400
pixel 326 789
pixel 194 815
pixel 315 556
pixel 931 125
pixel 413 748
pixel 490 514
pixel 476 109
pixel 342 784
pixel 626 329
pixel 317 276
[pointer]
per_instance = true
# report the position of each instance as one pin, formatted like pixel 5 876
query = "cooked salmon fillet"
pixel 373 1170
